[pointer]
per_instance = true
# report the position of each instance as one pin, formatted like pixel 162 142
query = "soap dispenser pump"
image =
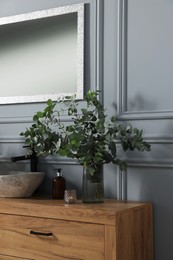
pixel 58 185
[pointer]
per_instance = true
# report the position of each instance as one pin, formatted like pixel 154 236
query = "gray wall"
pixel 137 75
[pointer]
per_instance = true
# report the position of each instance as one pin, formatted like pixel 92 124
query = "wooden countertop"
pixel 101 213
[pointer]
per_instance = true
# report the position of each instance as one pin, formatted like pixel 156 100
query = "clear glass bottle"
pixel 58 186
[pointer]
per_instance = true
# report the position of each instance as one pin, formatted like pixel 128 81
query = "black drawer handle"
pixel 41 233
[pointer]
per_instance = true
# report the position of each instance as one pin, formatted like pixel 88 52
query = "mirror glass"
pixel 41 55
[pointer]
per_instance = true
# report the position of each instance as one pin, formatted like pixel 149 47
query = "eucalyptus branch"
pixel 91 138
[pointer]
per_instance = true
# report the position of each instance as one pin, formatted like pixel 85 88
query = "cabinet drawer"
pixel 51 239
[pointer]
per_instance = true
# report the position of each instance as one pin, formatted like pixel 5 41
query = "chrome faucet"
pixel 33 160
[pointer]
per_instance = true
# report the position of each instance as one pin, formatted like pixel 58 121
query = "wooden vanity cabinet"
pixel 44 229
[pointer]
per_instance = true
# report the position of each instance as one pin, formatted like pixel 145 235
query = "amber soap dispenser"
pixel 58 185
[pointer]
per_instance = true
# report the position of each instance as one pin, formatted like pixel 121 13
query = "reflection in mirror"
pixel 41 55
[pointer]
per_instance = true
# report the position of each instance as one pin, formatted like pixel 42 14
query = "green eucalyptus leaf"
pixel 50 102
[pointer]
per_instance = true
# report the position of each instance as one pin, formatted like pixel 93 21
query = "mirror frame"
pixel 77 8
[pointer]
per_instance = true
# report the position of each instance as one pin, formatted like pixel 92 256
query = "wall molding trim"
pixel 16 120
pixel 133 163
pixel 99 48
pixel 122 80
pixel 138 163
pixel 122 56
pixel 150 163
pixel 27 119
pixel 153 139
pixel 46 160
pixel 145 115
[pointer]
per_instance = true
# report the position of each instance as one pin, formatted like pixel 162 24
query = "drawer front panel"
pixel 39 238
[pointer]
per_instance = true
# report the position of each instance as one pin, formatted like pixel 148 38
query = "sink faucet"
pixel 33 160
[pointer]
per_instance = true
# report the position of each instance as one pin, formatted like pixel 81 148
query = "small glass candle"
pixel 70 196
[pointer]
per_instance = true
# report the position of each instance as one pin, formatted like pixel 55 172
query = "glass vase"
pixel 93 186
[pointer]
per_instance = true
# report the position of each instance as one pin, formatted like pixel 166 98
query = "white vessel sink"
pixel 19 183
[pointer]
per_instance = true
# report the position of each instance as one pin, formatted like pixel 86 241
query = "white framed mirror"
pixel 42 55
